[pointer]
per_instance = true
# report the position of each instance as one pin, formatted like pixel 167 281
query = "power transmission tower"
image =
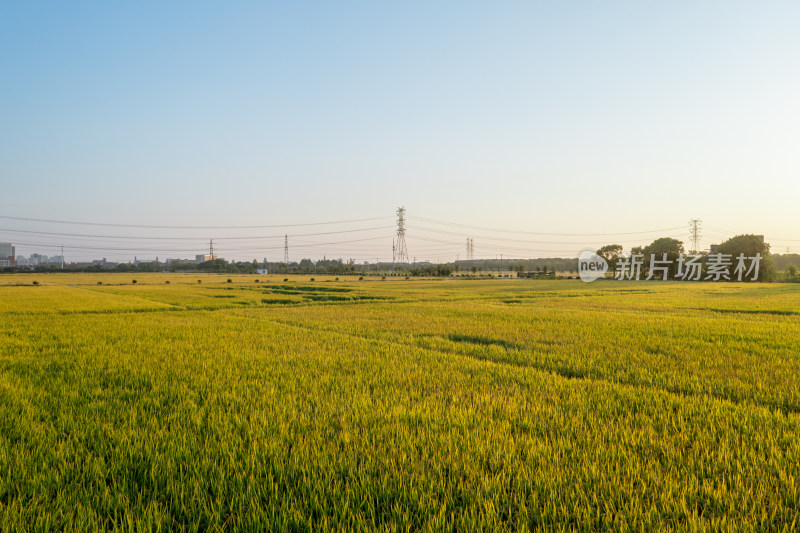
pixel 286 249
pixel 470 249
pixel 211 248
pixel 394 252
pixel 694 234
pixel 402 251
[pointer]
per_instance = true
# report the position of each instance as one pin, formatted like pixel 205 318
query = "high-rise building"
pixel 8 254
pixel 38 259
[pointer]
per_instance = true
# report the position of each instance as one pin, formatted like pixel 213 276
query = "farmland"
pixel 192 402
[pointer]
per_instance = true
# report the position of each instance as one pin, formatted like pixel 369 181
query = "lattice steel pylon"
pixel 401 254
pixel 286 249
pixel 694 234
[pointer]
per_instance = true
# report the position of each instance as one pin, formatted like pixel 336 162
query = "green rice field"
pixel 397 405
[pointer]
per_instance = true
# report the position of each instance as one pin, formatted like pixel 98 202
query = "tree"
pixel 215 265
pixel 306 266
pixel 673 248
pixel 611 253
pixel 750 245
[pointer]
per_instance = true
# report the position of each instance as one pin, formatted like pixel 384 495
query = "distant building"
pixel 263 271
pixel 38 259
pixel 202 258
pixel 8 254
pixel 550 274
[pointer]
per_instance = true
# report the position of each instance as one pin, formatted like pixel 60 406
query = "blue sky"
pixel 558 118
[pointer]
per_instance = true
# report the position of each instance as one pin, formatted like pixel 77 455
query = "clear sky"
pixel 548 117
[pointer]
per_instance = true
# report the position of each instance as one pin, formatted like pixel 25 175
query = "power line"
pixel 108 224
pixel 127 237
pixel 785 240
pixel 77 247
pixel 432 221
pixel 192 250
pixel 517 240
pixel 492 240
pixel 729 232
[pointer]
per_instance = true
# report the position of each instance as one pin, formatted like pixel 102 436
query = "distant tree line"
pixel 749 245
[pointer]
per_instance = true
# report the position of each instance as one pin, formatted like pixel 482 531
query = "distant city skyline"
pixel 551 119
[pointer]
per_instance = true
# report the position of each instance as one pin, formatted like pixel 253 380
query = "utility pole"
pixel 694 234
pixel 402 251
pixel 286 249
pixel 62 258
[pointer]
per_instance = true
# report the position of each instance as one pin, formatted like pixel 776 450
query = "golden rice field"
pixel 396 405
